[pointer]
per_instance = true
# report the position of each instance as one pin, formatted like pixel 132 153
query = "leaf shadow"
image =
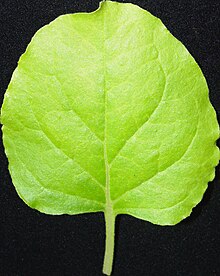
pixel 197 210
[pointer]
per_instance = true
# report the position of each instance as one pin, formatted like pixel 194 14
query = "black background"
pixel 32 243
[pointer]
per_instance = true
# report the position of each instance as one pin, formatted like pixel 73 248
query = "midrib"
pixel 107 174
pixel 109 213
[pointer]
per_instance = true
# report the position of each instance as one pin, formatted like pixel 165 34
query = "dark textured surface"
pixel 35 244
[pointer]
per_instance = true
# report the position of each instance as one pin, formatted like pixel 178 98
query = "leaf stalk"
pixel 109 241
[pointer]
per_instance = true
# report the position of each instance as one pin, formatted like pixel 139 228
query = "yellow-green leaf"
pixel 108 112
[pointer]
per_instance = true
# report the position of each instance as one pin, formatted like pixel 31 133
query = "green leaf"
pixel 108 112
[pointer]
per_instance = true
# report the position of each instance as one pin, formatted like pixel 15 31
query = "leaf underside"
pixel 109 110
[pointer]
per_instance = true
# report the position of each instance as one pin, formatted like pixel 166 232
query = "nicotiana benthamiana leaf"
pixel 108 112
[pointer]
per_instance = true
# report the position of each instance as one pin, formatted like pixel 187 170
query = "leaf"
pixel 108 112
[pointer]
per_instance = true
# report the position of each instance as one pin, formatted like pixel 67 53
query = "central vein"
pixel 107 175
pixel 109 214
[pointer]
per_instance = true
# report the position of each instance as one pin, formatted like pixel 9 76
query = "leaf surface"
pixel 107 111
